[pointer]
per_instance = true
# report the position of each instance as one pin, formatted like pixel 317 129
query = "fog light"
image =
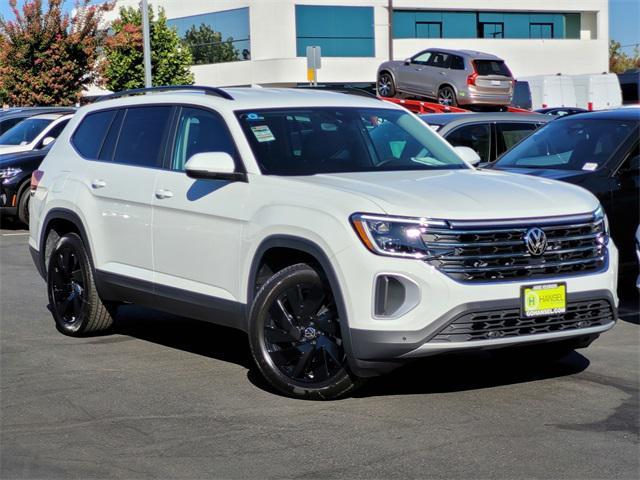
pixel 394 295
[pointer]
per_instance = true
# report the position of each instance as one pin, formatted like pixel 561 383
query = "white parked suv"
pixel 343 249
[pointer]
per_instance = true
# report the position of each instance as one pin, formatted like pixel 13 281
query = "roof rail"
pixel 346 89
pixel 215 91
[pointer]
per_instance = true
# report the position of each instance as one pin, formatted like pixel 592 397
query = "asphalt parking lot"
pixel 167 397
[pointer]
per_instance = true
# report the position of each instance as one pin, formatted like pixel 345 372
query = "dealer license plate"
pixel 547 299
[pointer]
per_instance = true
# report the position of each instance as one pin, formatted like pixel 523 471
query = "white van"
pixel 551 91
pixel 597 91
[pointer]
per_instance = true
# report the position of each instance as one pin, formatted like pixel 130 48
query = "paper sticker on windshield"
pixel 263 133
pixel 590 166
pixel 254 117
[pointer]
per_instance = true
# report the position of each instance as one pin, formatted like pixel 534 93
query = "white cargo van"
pixel 551 91
pixel 597 91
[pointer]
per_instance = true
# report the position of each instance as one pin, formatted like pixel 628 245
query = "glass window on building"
pixel 216 37
pixel 478 24
pixel 338 31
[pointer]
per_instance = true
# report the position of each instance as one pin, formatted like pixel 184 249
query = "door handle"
pixel 98 184
pixel 161 194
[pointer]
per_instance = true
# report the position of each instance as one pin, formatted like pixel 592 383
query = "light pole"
pixel 390 32
pixel 146 44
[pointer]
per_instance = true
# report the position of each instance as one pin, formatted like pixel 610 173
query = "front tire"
pixel 74 301
pixel 386 85
pixel 23 206
pixel 295 336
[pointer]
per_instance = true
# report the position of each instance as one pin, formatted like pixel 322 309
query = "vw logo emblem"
pixel 536 241
pixel 309 333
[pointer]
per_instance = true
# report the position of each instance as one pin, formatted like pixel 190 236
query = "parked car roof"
pixel 614 114
pixel 460 118
pixel 468 53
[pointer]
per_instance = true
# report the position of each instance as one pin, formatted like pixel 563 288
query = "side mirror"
pixel 46 141
pixel 214 166
pixel 468 154
pixel 407 61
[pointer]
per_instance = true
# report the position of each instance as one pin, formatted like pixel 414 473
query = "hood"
pixel 566 175
pixel 4 149
pixel 18 158
pixel 461 194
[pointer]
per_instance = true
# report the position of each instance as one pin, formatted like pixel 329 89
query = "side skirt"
pixel 119 288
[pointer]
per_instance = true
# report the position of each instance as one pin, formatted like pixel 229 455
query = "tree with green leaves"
pixel 122 64
pixel 620 61
pixel 47 56
pixel 207 45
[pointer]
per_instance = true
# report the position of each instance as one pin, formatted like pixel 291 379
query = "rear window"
pixel 491 67
pixel 89 136
pixel 141 136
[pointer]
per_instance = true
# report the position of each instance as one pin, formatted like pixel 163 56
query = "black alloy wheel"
pixel 73 299
pixel 296 337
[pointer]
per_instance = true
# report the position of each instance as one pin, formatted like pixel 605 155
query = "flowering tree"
pixel 122 66
pixel 47 57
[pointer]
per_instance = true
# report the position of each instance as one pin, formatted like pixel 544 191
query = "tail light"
pixel 36 176
pixel 471 79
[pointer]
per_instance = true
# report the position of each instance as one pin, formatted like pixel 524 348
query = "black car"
pixel 15 178
pixel 488 134
pixel 598 151
pixel 10 117
pixel 561 111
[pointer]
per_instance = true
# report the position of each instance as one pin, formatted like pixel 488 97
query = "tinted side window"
pixel 457 63
pixel 57 130
pixel 200 131
pixel 440 60
pixel 477 137
pixel 89 136
pixel 511 133
pixel 109 144
pixel 421 59
pixel 7 124
pixel 142 136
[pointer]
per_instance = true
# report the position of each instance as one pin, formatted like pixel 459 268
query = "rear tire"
pixel 23 206
pixel 386 85
pixel 295 336
pixel 446 96
pixel 74 301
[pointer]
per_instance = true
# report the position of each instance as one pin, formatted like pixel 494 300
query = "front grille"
pixel 492 325
pixel 499 252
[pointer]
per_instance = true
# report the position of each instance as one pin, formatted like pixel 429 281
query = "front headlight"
pixel 394 236
pixel 600 215
pixel 9 172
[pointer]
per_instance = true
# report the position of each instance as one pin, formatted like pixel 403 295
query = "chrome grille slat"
pixel 499 251
pixel 525 267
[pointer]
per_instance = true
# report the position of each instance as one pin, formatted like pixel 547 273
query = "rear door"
pixel 119 182
pixel 494 78
pixel 197 224
pixel 437 72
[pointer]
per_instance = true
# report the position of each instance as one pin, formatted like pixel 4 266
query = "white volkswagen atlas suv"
pixel 339 232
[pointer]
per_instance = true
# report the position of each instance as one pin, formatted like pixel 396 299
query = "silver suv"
pixel 453 77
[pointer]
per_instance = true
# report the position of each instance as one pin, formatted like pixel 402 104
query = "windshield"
pixel 570 144
pixel 308 141
pixel 24 132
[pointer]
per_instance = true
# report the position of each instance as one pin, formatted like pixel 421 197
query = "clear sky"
pixel 624 19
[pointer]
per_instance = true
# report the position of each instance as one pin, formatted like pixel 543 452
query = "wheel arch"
pixel 451 86
pixel 60 221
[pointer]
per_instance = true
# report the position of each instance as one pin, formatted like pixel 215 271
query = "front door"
pixel 197 224
pixel 623 219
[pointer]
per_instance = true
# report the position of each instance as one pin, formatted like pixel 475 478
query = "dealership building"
pixel 244 42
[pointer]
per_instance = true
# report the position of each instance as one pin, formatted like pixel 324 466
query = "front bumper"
pixel 439 300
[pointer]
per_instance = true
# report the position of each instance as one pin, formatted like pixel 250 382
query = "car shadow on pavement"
pixel 446 373
pixel 10 223
pixel 469 371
